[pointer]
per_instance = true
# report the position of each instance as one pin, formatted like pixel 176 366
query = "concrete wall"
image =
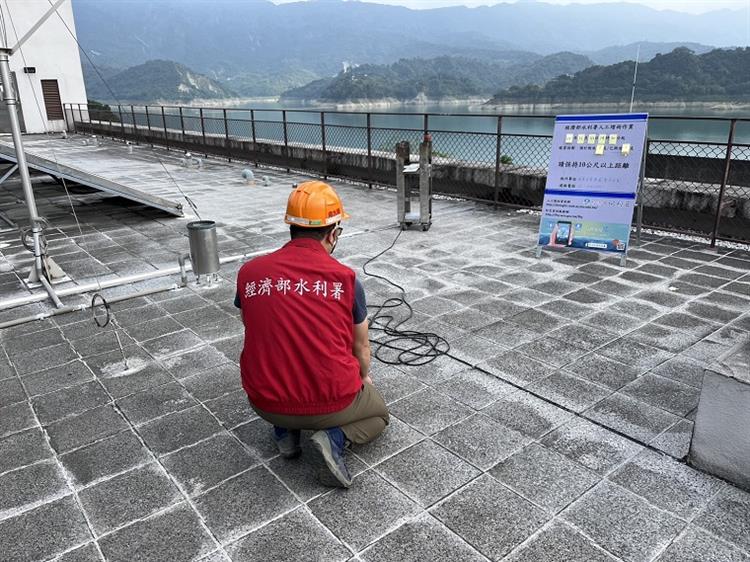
pixel 721 438
pixel 52 51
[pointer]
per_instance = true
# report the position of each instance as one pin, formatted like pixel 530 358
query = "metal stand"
pixel 423 169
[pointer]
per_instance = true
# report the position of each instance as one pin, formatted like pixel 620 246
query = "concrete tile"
pixel 675 441
pixel 155 402
pixel 15 418
pixel 627 350
pixel 56 378
pixel 85 428
pixel 536 321
pixel 104 458
pixel 695 544
pixel 568 391
pixel 244 503
pixel 661 337
pixel 182 302
pixel 667 484
pixel 588 296
pixel 429 411
pixel 194 361
pixel 111 363
pixel 143 375
pixel 256 435
pixel 516 368
pixel 682 369
pixel 305 539
pixel 624 524
pixel 612 321
pixel 474 388
pixel 637 309
pixel 208 462
pixel 85 553
pixel 11 392
pixel 172 344
pixel 566 309
pixel 178 429
pixel 435 371
pixel 103 341
pixel 133 495
pixel 423 538
pixel 426 472
pixel 19 344
pixel 139 315
pixel 39 360
pixel 729 335
pixel 69 402
pixel 377 507
pixel 558 539
pixel 631 417
pixel 528 297
pixel 396 437
pixel 153 328
pixel 499 308
pixel 554 352
pixel 43 532
pixel 231 409
pixel 505 334
pixel 728 517
pixel 481 441
pixel 176 534
pixel 214 382
pixel 23 448
pixel 663 393
pixel 526 414
pixel 554 482
pixel 467 318
pixel 435 305
pixel 705 351
pixel 29 487
pixel 666 299
pixel 582 336
pixel 712 312
pixel 591 446
pixel 302 476
pixel 393 384
pixel 490 517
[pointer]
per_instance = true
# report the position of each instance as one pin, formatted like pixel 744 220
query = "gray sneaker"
pixel 330 445
pixel 287 442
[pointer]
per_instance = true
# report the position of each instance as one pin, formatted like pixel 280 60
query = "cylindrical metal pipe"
pixel 204 247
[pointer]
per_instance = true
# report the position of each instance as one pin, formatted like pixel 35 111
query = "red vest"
pixel 297 309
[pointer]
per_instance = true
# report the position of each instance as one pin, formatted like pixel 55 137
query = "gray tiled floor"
pixel 556 433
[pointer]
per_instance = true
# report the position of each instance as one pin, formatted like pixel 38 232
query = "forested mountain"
pixel 258 48
pixel 438 78
pixel 156 80
pixel 719 75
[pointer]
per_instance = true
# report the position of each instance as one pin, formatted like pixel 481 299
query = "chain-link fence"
pixel 697 174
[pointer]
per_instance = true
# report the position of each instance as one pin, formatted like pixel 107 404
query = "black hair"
pixel 318 233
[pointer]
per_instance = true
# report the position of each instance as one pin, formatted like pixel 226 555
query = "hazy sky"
pixel 694 6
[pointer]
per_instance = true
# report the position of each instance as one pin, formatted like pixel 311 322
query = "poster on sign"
pixel 592 183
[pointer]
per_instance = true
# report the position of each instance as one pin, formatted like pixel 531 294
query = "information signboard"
pixel 592 183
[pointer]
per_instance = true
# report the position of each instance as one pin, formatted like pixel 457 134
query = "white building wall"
pixel 52 51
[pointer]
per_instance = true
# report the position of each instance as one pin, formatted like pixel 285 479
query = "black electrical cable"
pixel 411 347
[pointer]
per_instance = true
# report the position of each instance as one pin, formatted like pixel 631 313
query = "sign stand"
pixel 594 182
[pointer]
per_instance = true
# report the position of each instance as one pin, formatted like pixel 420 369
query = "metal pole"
pixel 148 122
pixel 369 151
pixel 724 179
pixel 135 127
pixel 73 118
pixel 286 140
pixel 252 128
pixel 80 113
pixel 164 122
pixel 498 138
pixel 426 123
pixel 203 131
pixel 122 124
pixel 182 124
pixel 323 141
pixel 23 169
pixel 226 136
pixel 65 116
pixel 639 199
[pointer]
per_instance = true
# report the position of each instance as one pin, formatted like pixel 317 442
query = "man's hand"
pixel 367 379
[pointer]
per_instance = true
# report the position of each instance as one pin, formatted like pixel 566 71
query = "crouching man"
pixel 306 358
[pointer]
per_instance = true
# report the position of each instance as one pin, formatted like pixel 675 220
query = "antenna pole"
pixel 635 77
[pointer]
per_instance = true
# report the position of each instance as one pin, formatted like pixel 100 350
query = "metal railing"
pixel 697 176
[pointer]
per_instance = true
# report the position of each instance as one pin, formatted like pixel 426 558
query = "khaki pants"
pixel 362 421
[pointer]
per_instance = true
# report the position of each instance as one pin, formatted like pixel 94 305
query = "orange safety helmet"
pixel 314 204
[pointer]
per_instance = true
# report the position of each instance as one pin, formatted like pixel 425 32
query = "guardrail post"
pixel 164 122
pixel 724 179
pixel 135 126
pixel 323 141
pixel 148 125
pixel 498 155
pixel 252 128
pixel 122 123
pixel 203 131
pixel 426 123
pixel 226 136
pixel 80 113
pixel 286 140
pixel 182 125
pixel 369 151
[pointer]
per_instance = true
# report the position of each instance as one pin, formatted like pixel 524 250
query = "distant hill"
pixel 719 75
pixel 259 48
pixel 438 78
pixel 155 80
pixel 648 50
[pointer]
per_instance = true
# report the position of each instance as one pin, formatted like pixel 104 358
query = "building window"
pixel 52 103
